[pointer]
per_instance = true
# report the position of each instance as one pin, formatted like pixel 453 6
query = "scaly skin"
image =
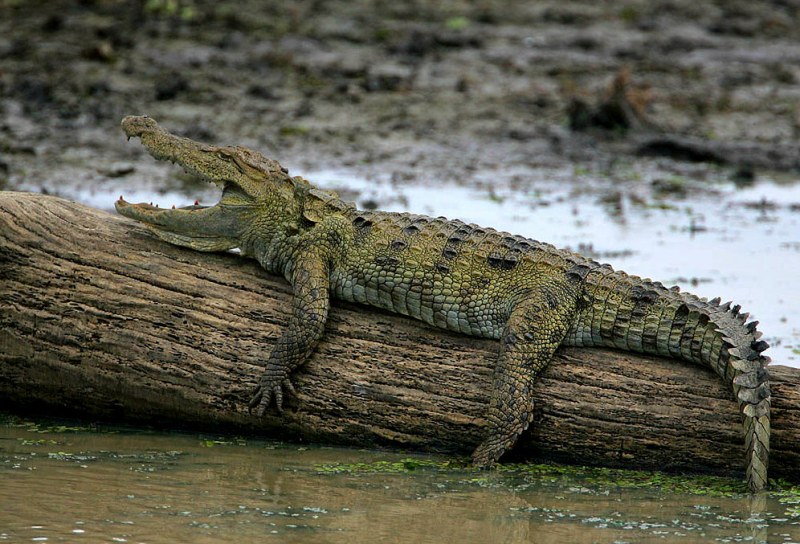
pixel 529 295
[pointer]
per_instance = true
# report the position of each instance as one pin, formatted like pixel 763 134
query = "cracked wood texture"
pixel 101 320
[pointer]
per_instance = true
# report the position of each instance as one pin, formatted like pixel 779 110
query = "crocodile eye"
pixel 223 156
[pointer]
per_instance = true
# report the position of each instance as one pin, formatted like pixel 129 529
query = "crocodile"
pixel 528 295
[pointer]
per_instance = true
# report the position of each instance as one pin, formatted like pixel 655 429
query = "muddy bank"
pixel 424 93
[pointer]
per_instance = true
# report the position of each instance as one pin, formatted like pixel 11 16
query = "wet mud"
pixel 421 92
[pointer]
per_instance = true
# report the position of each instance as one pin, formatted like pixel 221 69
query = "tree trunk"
pixel 100 319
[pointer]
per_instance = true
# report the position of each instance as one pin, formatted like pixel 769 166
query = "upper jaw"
pixel 163 146
pixel 136 125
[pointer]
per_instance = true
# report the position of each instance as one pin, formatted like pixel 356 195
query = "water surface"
pixel 65 485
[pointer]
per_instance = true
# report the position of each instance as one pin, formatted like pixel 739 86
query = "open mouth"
pixel 155 207
pixel 204 228
pixel 201 227
pixel 148 212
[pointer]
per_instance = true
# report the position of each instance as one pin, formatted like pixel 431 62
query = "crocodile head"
pixel 252 186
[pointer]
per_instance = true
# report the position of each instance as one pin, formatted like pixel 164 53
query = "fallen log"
pixel 101 320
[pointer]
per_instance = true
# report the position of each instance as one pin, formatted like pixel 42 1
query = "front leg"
pixel 533 332
pixel 310 281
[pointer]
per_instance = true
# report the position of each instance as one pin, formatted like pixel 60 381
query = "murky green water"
pixel 65 485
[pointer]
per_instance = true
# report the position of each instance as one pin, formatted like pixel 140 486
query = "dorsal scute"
pixel 319 203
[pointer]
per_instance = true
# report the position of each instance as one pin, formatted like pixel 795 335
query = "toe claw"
pixel 255 400
pixel 270 388
pixel 289 386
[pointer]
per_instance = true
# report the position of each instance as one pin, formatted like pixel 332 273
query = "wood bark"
pixel 101 320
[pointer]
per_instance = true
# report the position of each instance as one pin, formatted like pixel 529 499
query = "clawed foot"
pixel 270 387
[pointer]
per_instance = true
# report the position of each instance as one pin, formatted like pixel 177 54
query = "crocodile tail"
pixel 640 315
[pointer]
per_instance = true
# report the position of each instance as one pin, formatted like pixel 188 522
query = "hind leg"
pixel 533 332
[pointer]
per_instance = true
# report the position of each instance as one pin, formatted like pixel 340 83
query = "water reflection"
pixel 93 487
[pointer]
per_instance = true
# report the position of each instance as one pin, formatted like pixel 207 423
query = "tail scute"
pixel 637 314
pixel 750 382
pixel 757 431
pixel 746 369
